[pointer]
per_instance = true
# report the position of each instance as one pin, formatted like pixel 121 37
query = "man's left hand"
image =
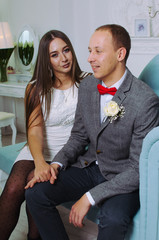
pixel 79 210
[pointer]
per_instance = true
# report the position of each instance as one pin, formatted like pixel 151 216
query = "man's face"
pixel 103 57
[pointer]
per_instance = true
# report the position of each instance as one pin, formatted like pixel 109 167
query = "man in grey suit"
pixel 115 111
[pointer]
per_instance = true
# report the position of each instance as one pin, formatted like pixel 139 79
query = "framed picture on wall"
pixel 141 27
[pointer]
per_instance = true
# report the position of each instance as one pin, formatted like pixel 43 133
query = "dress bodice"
pixel 58 124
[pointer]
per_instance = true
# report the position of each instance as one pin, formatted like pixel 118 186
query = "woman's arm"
pixel 43 171
pixel 35 142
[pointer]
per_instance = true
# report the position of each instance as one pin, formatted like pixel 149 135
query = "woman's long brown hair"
pixel 43 80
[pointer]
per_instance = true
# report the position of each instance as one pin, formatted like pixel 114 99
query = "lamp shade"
pixel 6 40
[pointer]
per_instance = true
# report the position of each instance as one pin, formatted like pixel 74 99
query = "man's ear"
pixel 121 54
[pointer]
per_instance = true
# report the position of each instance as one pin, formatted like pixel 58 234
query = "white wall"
pixel 77 18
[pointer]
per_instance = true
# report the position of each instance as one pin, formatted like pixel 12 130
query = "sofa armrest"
pixel 149 185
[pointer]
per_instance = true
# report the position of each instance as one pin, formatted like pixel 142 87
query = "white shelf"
pixel 13 89
pixel 144 46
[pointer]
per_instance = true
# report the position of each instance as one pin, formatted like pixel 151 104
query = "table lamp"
pixel 6 49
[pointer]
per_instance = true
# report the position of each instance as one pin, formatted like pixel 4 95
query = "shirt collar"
pixel 118 83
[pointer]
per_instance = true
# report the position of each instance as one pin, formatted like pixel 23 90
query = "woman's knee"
pixel 13 192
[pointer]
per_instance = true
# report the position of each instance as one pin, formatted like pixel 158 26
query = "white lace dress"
pixel 58 124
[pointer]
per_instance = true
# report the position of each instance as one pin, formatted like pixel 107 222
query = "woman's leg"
pixel 13 196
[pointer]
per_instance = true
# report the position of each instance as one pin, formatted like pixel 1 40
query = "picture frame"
pixel 141 27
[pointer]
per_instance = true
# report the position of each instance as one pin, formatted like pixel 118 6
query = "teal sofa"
pixel 145 224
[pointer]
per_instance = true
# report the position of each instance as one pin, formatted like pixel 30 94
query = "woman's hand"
pixel 49 172
pixel 42 171
pixel 31 183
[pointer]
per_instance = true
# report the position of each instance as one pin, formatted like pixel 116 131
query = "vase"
pixel 5 54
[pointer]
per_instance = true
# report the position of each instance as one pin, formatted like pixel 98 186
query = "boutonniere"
pixel 113 111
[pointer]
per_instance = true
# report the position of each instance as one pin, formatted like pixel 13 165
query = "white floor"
pixel 88 232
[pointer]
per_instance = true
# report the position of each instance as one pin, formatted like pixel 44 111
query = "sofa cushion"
pixel 8 155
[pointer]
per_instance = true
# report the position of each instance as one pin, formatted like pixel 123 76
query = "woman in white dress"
pixel 50 104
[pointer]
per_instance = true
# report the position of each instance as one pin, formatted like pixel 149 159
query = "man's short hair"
pixel 121 37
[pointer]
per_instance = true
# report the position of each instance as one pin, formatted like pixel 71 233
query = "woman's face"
pixel 60 57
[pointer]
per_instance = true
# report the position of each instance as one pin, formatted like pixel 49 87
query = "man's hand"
pixel 79 210
pixel 54 172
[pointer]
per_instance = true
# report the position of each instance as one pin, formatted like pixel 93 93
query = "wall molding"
pixel 145 46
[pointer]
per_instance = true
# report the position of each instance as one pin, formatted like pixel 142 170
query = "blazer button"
pixel 86 163
pixel 98 151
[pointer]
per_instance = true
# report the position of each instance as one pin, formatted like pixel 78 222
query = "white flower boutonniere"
pixel 113 111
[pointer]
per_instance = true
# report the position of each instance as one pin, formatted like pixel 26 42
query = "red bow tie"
pixel 102 90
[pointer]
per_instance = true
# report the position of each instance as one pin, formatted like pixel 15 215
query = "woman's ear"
pixel 121 54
